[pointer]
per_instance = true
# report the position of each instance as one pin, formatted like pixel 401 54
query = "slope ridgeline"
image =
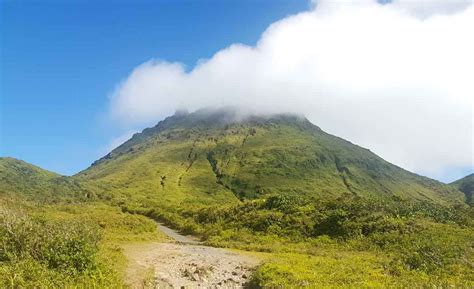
pixel 217 156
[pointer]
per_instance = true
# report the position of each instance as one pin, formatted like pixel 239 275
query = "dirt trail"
pixel 177 236
pixel 186 264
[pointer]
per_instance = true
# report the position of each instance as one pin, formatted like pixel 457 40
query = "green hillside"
pixel 321 211
pixel 210 157
pixel 466 185
pixel 19 177
pixel 316 203
pixel 53 235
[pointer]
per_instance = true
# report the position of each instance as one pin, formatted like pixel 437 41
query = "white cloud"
pixel 427 8
pixel 395 78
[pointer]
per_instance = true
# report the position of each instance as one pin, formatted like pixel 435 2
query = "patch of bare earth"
pixel 185 265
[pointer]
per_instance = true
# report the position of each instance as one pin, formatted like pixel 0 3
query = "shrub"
pixel 60 245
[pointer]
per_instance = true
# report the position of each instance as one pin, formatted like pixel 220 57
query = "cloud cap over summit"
pixel 392 77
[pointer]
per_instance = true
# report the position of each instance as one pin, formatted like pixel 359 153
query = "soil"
pixel 186 263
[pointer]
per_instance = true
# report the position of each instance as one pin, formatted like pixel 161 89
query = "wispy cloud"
pixel 396 78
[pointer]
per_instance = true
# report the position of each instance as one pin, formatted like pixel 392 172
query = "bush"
pixel 285 203
pixel 66 246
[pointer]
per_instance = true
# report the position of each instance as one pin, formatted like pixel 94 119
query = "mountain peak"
pixel 220 117
pixel 181 112
pixel 227 153
pixel 211 118
pixel 232 114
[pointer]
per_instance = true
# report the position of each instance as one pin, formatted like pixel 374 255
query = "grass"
pixel 341 242
pixel 326 243
pixel 201 159
pixel 66 245
pixel 283 186
pixel 322 211
pixel 466 185
pixel 333 270
pixel 18 177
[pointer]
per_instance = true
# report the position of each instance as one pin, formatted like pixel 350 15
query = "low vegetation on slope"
pixel 321 211
pixel 281 185
pixel 21 178
pixel 55 234
pixel 65 245
pixel 360 241
pixel 466 185
pixel 208 157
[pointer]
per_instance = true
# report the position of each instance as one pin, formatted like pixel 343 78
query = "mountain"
pixel 218 156
pixel 276 184
pixel 466 185
pixel 20 178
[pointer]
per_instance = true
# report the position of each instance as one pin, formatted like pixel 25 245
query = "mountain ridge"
pixel 20 177
pixel 252 156
pixel 466 185
pixel 276 185
pixel 202 117
pixel 221 155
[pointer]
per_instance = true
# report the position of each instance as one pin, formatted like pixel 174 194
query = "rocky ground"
pixel 186 264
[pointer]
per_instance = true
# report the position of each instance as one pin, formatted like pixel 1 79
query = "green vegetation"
pixel 345 241
pixel 466 185
pixel 321 211
pixel 54 233
pixel 65 245
pixel 40 252
pixel 28 180
pixel 205 157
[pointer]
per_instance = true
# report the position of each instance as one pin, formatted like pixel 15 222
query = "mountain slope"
pixel 212 156
pixel 20 178
pixel 466 185
pixel 304 207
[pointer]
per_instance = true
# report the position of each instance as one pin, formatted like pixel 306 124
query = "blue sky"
pixel 66 73
pixel 60 62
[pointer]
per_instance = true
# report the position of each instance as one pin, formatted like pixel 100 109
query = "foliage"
pixel 208 157
pixel 321 211
pixel 51 248
pixel 20 178
pixel 372 242
pixel 65 245
pixel 466 185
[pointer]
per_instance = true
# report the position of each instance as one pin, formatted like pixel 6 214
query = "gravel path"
pixel 187 264
pixel 181 239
